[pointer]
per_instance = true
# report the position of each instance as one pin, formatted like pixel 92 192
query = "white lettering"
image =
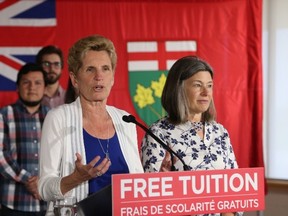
pixel 201 182
pixel 250 181
pixel 184 180
pixel 153 187
pixel 125 188
pixel 218 183
pixel 166 185
pixel 139 187
pixel 232 182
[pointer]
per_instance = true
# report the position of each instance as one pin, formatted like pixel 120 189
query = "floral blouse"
pixel 214 151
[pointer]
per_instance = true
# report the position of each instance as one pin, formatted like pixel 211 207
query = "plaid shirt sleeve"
pixel 9 167
pixel 20 134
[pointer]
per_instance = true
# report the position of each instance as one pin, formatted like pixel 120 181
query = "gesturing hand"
pixel 84 173
pixel 89 171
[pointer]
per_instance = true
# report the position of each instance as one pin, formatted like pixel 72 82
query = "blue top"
pixel 118 163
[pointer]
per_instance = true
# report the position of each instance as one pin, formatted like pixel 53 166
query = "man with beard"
pixel 20 131
pixel 51 59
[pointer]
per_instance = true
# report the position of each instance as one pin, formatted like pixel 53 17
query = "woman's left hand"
pixel 166 163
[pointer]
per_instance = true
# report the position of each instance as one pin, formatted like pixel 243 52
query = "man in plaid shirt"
pixel 20 131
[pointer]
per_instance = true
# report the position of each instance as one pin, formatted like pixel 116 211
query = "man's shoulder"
pixel 6 109
pixel 61 90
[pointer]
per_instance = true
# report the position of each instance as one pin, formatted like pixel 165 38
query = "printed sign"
pixel 188 192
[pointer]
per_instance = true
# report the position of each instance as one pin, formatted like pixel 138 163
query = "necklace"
pixel 106 153
pixel 107 150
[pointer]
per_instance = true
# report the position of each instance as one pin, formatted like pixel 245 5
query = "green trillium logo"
pixel 148 65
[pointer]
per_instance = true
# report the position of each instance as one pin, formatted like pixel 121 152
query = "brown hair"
pixel 50 49
pixel 174 99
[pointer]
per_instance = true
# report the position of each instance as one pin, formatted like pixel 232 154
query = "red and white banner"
pixel 226 33
pixel 186 193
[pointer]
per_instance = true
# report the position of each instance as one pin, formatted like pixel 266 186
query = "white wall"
pixel 275 74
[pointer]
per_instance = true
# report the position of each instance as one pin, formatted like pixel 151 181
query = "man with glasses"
pixel 51 59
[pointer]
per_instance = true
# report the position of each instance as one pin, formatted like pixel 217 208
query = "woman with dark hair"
pixel 189 128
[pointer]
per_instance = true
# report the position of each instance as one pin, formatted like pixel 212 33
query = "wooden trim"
pixel 277 183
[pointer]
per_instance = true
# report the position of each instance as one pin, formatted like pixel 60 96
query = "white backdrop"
pixel 275 75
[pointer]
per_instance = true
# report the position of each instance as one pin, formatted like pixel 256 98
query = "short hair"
pixel 30 67
pixel 47 50
pixel 93 42
pixel 174 99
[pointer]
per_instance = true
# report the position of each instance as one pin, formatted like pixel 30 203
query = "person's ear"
pixel 73 79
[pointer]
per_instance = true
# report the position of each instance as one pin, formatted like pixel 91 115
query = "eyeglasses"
pixel 47 64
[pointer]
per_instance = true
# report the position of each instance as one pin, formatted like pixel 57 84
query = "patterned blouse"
pixel 213 152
